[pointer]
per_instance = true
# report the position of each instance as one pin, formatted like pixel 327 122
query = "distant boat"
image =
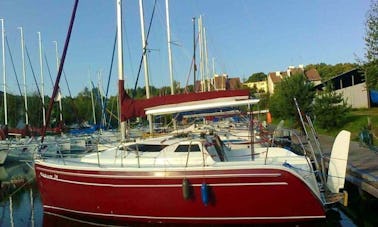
pixel 4 150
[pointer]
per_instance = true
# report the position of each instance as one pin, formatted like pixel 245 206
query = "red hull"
pixel 236 196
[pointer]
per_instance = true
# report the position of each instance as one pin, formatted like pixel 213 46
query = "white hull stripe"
pixel 164 185
pixel 160 175
pixel 184 218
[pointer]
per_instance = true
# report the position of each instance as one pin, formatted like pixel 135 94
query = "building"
pixel 219 82
pixel 261 86
pixel 352 86
pixel 276 77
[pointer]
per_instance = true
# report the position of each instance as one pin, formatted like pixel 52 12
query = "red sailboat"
pixel 191 178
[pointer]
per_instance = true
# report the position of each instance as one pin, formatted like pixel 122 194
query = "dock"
pixel 362 167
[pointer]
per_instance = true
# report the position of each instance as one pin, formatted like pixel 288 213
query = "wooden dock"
pixel 362 169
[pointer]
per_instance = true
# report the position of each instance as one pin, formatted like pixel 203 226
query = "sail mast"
pixel 145 61
pixel 58 97
pixel 92 99
pixel 121 88
pixel 194 54
pixel 169 46
pixel 200 44
pixel 42 81
pixel 170 55
pixel 4 75
pixel 24 76
pixel 56 85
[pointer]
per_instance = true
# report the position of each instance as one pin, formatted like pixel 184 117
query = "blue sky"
pixel 243 37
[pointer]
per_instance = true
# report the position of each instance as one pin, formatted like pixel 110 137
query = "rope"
pixel 31 67
pixel 48 69
pixel 144 50
pixel 192 65
pixel 14 68
pixel 109 77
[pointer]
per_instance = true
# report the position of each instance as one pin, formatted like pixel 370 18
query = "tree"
pixel 328 71
pixel 330 109
pixel 282 101
pixel 371 35
pixel 257 77
pixel 371 42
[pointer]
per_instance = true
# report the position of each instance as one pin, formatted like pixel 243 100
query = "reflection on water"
pixel 20 205
pixel 19 198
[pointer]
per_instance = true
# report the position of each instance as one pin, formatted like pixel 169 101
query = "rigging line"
pixel 111 64
pixel 110 115
pixel 68 87
pixel 31 67
pixel 15 73
pixel 130 57
pixel 192 65
pixel 48 69
pixel 14 68
pixel 187 78
pixel 109 77
pixel 52 84
pixel 144 50
pixel 69 92
pixel 98 94
pixel 97 99
pixel 55 91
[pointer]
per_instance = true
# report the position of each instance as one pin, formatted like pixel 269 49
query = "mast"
pixel 92 99
pixel 206 60
pixel 24 77
pixel 102 96
pixel 120 67
pixel 201 51
pixel 169 46
pixel 56 85
pixel 42 81
pixel 145 61
pixel 59 95
pixel 194 54
pixel 4 75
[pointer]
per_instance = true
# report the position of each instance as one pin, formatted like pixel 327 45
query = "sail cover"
pixel 137 107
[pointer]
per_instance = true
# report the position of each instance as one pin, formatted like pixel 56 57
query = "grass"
pixel 357 120
pixel 363 118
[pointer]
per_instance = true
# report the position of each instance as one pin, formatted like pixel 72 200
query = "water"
pixel 20 204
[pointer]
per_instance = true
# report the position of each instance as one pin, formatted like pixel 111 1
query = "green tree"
pixel 328 71
pixel 260 76
pixel 330 109
pixel 35 110
pixel 371 43
pixel 371 34
pixel 282 101
pixel 371 74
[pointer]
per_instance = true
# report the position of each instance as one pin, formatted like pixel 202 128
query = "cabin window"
pixel 146 147
pixel 185 148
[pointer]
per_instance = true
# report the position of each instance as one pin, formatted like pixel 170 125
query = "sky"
pixel 243 37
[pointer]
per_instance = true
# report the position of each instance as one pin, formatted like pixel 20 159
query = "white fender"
pixel 338 162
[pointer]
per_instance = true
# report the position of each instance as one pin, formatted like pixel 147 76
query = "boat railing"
pixel 43 151
pixel 313 156
pixel 187 156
